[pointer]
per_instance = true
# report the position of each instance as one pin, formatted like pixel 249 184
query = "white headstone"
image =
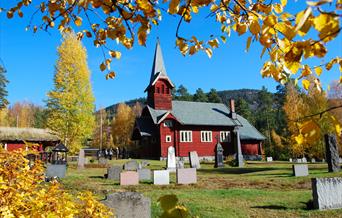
pixel 269 159
pixel 327 193
pixel 304 160
pixel 161 177
pixel 171 158
pixel 300 170
pixel 290 160
pixel 194 161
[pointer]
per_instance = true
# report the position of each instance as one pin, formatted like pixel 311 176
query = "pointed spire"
pixel 158 63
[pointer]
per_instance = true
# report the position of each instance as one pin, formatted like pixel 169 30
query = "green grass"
pixel 258 190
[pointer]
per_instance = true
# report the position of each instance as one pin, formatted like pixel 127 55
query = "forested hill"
pixel 249 95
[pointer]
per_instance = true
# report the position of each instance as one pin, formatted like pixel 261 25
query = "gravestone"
pixel 340 160
pixel 300 170
pixel 327 193
pixel 171 159
pixel 194 161
pixel 239 156
pixel 129 178
pixel 331 149
pixel 113 172
pixel 299 160
pixel 186 176
pixel 304 160
pixel 103 161
pixel 81 159
pixel 129 205
pixel 144 174
pixel 131 165
pixel 145 164
pixel 218 156
pixel 55 170
pixel 290 160
pixel 161 177
pixel 269 159
pixel 180 164
pixel 313 160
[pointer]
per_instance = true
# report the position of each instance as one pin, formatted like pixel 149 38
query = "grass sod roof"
pixel 27 134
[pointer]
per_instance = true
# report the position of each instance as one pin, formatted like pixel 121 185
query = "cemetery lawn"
pixel 258 190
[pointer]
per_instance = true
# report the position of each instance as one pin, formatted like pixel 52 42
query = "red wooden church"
pixel 189 126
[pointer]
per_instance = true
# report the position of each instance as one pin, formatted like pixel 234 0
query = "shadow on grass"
pixel 96 177
pixel 237 170
pixel 271 207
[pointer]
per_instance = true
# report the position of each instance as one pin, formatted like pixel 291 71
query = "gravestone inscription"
pixel 129 205
pixel 219 156
pixel 327 193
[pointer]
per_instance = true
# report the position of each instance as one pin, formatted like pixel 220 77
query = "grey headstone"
pixel 186 176
pixel 161 177
pixel 237 142
pixel 331 148
pixel 218 156
pixel 300 170
pixel 171 158
pixel 55 170
pixel 194 161
pixel 145 164
pixel 103 161
pixel 327 193
pixel 144 174
pixel 113 172
pixel 180 164
pixel 269 159
pixel 131 165
pixel 129 205
pixel 81 159
pixel 340 160
pixel 313 160
pixel 299 160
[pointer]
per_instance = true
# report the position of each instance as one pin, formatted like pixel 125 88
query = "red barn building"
pixel 189 126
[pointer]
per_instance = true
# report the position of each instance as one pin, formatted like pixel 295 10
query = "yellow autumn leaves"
pixel 25 194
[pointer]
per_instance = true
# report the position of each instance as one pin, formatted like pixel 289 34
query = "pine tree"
pixel 71 102
pixel 182 94
pixel 3 91
pixel 200 96
pixel 243 109
pixel 213 96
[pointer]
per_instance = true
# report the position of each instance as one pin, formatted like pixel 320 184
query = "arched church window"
pixel 163 88
pixel 158 90
pixel 167 90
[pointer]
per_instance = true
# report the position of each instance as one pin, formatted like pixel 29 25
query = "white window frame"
pixel 185 136
pixel 225 136
pixel 206 136
pixel 168 123
pixel 168 138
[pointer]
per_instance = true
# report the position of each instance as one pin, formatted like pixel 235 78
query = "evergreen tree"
pixel 243 109
pixel 182 94
pixel 200 96
pixel 71 102
pixel 213 96
pixel 3 91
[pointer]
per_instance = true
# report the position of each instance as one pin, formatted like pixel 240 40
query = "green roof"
pixel 206 114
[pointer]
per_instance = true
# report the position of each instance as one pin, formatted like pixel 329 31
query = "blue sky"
pixel 30 58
